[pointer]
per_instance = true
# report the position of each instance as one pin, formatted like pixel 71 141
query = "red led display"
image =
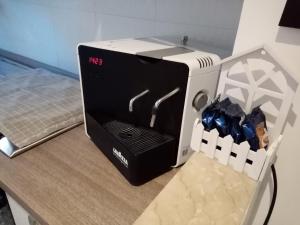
pixel 95 60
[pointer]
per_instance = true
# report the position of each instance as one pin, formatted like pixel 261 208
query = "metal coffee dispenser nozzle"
pixel 157 104
pixel 135 98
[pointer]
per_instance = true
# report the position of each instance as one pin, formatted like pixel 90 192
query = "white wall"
pixel 259 24
pixel 49 30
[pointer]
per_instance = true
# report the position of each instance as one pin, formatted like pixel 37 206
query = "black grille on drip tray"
pixel 136 139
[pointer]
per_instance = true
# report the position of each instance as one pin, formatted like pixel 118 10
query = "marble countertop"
pixel 203 192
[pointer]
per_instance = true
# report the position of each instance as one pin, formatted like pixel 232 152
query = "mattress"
pixel 35 104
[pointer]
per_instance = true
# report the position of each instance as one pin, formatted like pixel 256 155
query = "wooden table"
pixel 68 181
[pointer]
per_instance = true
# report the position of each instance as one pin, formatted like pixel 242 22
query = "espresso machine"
pixel 140 100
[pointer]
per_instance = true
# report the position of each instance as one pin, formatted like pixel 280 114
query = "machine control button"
pixel 200 100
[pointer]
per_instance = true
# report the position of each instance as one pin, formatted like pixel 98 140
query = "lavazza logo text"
pixel 120 157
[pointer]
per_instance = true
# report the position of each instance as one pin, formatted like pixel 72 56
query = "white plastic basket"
pixel 252 79
pixel 238 156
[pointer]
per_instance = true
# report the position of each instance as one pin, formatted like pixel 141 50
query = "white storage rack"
pixel 252 79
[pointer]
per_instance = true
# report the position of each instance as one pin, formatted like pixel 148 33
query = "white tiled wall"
pixel 49 30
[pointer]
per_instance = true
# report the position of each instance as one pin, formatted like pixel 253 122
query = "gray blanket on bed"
pixel 35 103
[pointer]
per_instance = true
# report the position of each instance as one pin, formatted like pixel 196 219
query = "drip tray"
pixel 136 139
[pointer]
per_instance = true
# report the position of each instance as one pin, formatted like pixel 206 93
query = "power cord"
pixel 274 195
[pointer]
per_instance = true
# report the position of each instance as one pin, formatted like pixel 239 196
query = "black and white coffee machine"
pixel 140 100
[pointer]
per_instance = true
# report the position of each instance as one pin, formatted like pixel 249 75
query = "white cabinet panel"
pixel 20 215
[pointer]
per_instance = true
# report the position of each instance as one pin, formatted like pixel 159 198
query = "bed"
pixel 35 105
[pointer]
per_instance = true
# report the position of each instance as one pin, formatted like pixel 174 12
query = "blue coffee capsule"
pixel 222 124
pixel 208 120
pixel 249 131
pixel 234 113
pixel 237 132
pixel 222 121
pixel 224 104
pixel 209 115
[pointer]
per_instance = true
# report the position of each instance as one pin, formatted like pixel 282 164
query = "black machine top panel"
pixel 291 15
pixel 110 79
